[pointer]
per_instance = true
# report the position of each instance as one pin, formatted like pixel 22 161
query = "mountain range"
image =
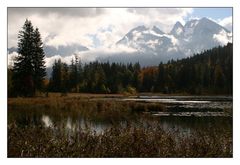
pixel 182 41
pixel 152 45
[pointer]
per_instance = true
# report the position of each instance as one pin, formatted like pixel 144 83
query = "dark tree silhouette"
pixel 38 61
pixel 28 69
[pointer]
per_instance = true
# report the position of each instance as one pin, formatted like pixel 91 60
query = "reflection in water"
pixel 185 117
pixel 47 121
pixel 169 101
pixel 196 105
pixel 196 114
pixel 182 125
pixel 69 125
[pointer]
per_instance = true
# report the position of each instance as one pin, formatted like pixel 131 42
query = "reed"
pixel 139 136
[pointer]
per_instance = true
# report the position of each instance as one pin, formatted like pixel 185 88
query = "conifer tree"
pixel 28 69
pixel 38 61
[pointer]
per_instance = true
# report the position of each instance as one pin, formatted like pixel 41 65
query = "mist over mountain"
pixel 60 50
pixel 182 41
pixel 148 45
pixel 64 50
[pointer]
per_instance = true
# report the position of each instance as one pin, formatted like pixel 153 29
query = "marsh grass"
pixel 96 110
pixel 115 142
pixel 130 132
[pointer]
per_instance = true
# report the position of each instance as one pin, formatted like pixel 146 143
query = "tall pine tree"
pixel 29 69
pixel 38 61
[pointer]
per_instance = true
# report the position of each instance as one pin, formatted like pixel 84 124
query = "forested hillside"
pixel 209 72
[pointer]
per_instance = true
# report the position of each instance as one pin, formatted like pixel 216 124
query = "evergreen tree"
pixel 38 61
pixel 9 82
pixel 29 69
pixel 161 78
pixel 73 75
pixel 56 78
pixel 64 78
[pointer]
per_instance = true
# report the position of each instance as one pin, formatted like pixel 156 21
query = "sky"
pixel 222 16
pixel 100 28
pixel 214 13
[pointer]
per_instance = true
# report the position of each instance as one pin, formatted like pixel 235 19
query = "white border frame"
pixel 122 3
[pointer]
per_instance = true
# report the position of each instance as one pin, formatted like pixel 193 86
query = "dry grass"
pixel 142 136
pixel 115 142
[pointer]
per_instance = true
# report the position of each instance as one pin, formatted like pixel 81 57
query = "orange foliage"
pixel 148 71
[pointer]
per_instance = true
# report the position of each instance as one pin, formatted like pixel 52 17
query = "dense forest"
pixel 210 72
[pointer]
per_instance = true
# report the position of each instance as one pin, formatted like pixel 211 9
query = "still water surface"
pixel 185 114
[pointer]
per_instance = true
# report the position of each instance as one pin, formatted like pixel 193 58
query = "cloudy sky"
pixel 100 28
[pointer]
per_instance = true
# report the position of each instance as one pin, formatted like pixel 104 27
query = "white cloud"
pixel 164 18
pixel 221 37
pixel 92 55
pixel 74 26
pixel 49 61
pixel 11 59
pixel 226 22
pixel 172 49
pixel 173 39
pixel 152 43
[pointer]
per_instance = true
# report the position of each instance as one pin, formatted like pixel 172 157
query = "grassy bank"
pixel 130 131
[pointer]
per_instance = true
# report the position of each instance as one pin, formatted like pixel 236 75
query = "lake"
pixel 183 113
pixel 154 126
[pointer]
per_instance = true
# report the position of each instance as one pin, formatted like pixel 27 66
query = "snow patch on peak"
pixel 192 23
pixel 173 40
pixel 152 43
pixel 179 30
pixel 135 32
pixel 189 27
pixel 152 32
pixel 195 36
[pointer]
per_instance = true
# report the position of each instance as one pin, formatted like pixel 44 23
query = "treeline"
pixel 94 77
pixel 209 72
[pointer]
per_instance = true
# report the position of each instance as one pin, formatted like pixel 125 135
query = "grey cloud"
pixel 73 12
pixel 144 11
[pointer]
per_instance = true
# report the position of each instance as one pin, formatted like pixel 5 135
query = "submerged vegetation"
pixel 130 131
